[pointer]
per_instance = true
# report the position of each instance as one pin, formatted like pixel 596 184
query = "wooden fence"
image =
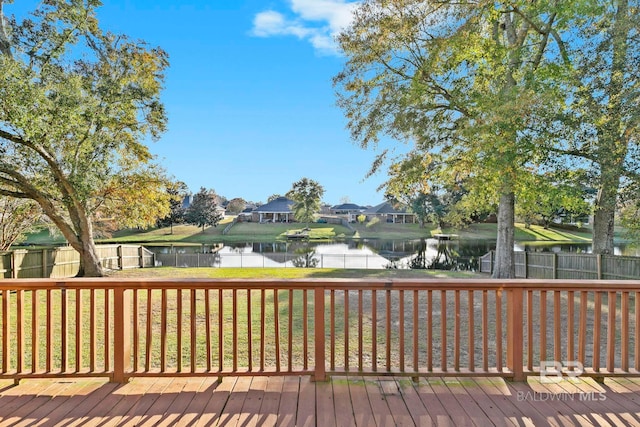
pixel 65 261
pixel 559 265
pixel 416 328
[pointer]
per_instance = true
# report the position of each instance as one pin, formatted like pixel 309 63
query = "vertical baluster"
pixel 360 329
pixel 611 331
pixel 388 329
pixel 305 329
pixel 443 330
pixel 35 331
pixel 136 330
pixel 107 331
pixel 456 331
pixel 332 329
pixel 49 339
pixel 290 333
pixel 401 325
pixel 582 328
pixel 570 333
pixel 597 324
pixel 543 326
pixel 624 333
pixel 430 330
pixel 416 322
pixel 374 330
pixel 637 332
pixel 346 330
pixel 234 329
pixel 249 332
pixel 93 340
pixel 472 327
pixel 64 333
pixel 220 331
pixel 163 331
pixel 149 334
pixel 193 356
pixel 179 322
pixel 557 326
pixel 262 328
pixel 207 326
pixel 499 330
pixel 19 330
pixel 6 328
pixel 276 321
pixel 530 330
pixel 79 329
pixel 485 330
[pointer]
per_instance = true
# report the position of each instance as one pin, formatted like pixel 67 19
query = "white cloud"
pixel 316 21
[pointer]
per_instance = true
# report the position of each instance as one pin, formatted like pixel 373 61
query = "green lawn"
pixel 255 232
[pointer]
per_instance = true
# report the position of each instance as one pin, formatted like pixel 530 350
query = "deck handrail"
pixel 124 328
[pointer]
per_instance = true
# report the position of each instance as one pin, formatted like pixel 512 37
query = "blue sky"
pixel 249 96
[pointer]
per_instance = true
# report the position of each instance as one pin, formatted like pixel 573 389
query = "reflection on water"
pixel 428 253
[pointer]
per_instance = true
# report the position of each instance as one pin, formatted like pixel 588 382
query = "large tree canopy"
pixel 77 104
pixel 459 79
pixel 598 129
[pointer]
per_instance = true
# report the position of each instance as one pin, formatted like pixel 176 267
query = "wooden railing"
pixel 131 328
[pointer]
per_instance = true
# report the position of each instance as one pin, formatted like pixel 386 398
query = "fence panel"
pixel 576 266
pixel 65 261
pixel 620 267
pixel 551 265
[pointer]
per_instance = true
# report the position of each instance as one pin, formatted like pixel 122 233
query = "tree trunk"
pixel 504 267
pixel 604 215
pixel 90 265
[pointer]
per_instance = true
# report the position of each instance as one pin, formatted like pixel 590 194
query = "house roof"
pixel 385 208
pixel 347 207
pixel 279 205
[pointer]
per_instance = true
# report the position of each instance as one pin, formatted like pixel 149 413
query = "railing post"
pixel 319 338
pixel 515 339
pixel 121 335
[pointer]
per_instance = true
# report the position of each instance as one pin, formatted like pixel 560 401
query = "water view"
pixel 373 253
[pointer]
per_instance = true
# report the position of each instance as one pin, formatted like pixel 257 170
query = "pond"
pixel 372 253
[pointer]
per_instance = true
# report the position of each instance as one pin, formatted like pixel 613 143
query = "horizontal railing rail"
pixel 128 328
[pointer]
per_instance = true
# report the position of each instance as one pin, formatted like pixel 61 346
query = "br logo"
pixel 553 371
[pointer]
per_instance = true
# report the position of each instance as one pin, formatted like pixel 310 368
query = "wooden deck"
pixel 289 401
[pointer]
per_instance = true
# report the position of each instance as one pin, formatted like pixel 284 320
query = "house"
pixel 387 213
pixel 278 210
pixel 349 210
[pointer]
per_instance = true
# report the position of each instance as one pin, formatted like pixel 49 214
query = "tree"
pixel 416 181
pixel 203 210
pixel 599 126
pixel 307 195
pixel 176 191
pixel 17 217
pixel 546 198
pixel 455 78
pixel 71 125
pixel 273 197
pixel 236 205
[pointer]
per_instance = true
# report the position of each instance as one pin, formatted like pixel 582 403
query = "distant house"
pixel 278 210
pixel 387 213
pixel 349 210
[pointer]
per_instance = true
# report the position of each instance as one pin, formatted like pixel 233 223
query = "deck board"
pixel 341 401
